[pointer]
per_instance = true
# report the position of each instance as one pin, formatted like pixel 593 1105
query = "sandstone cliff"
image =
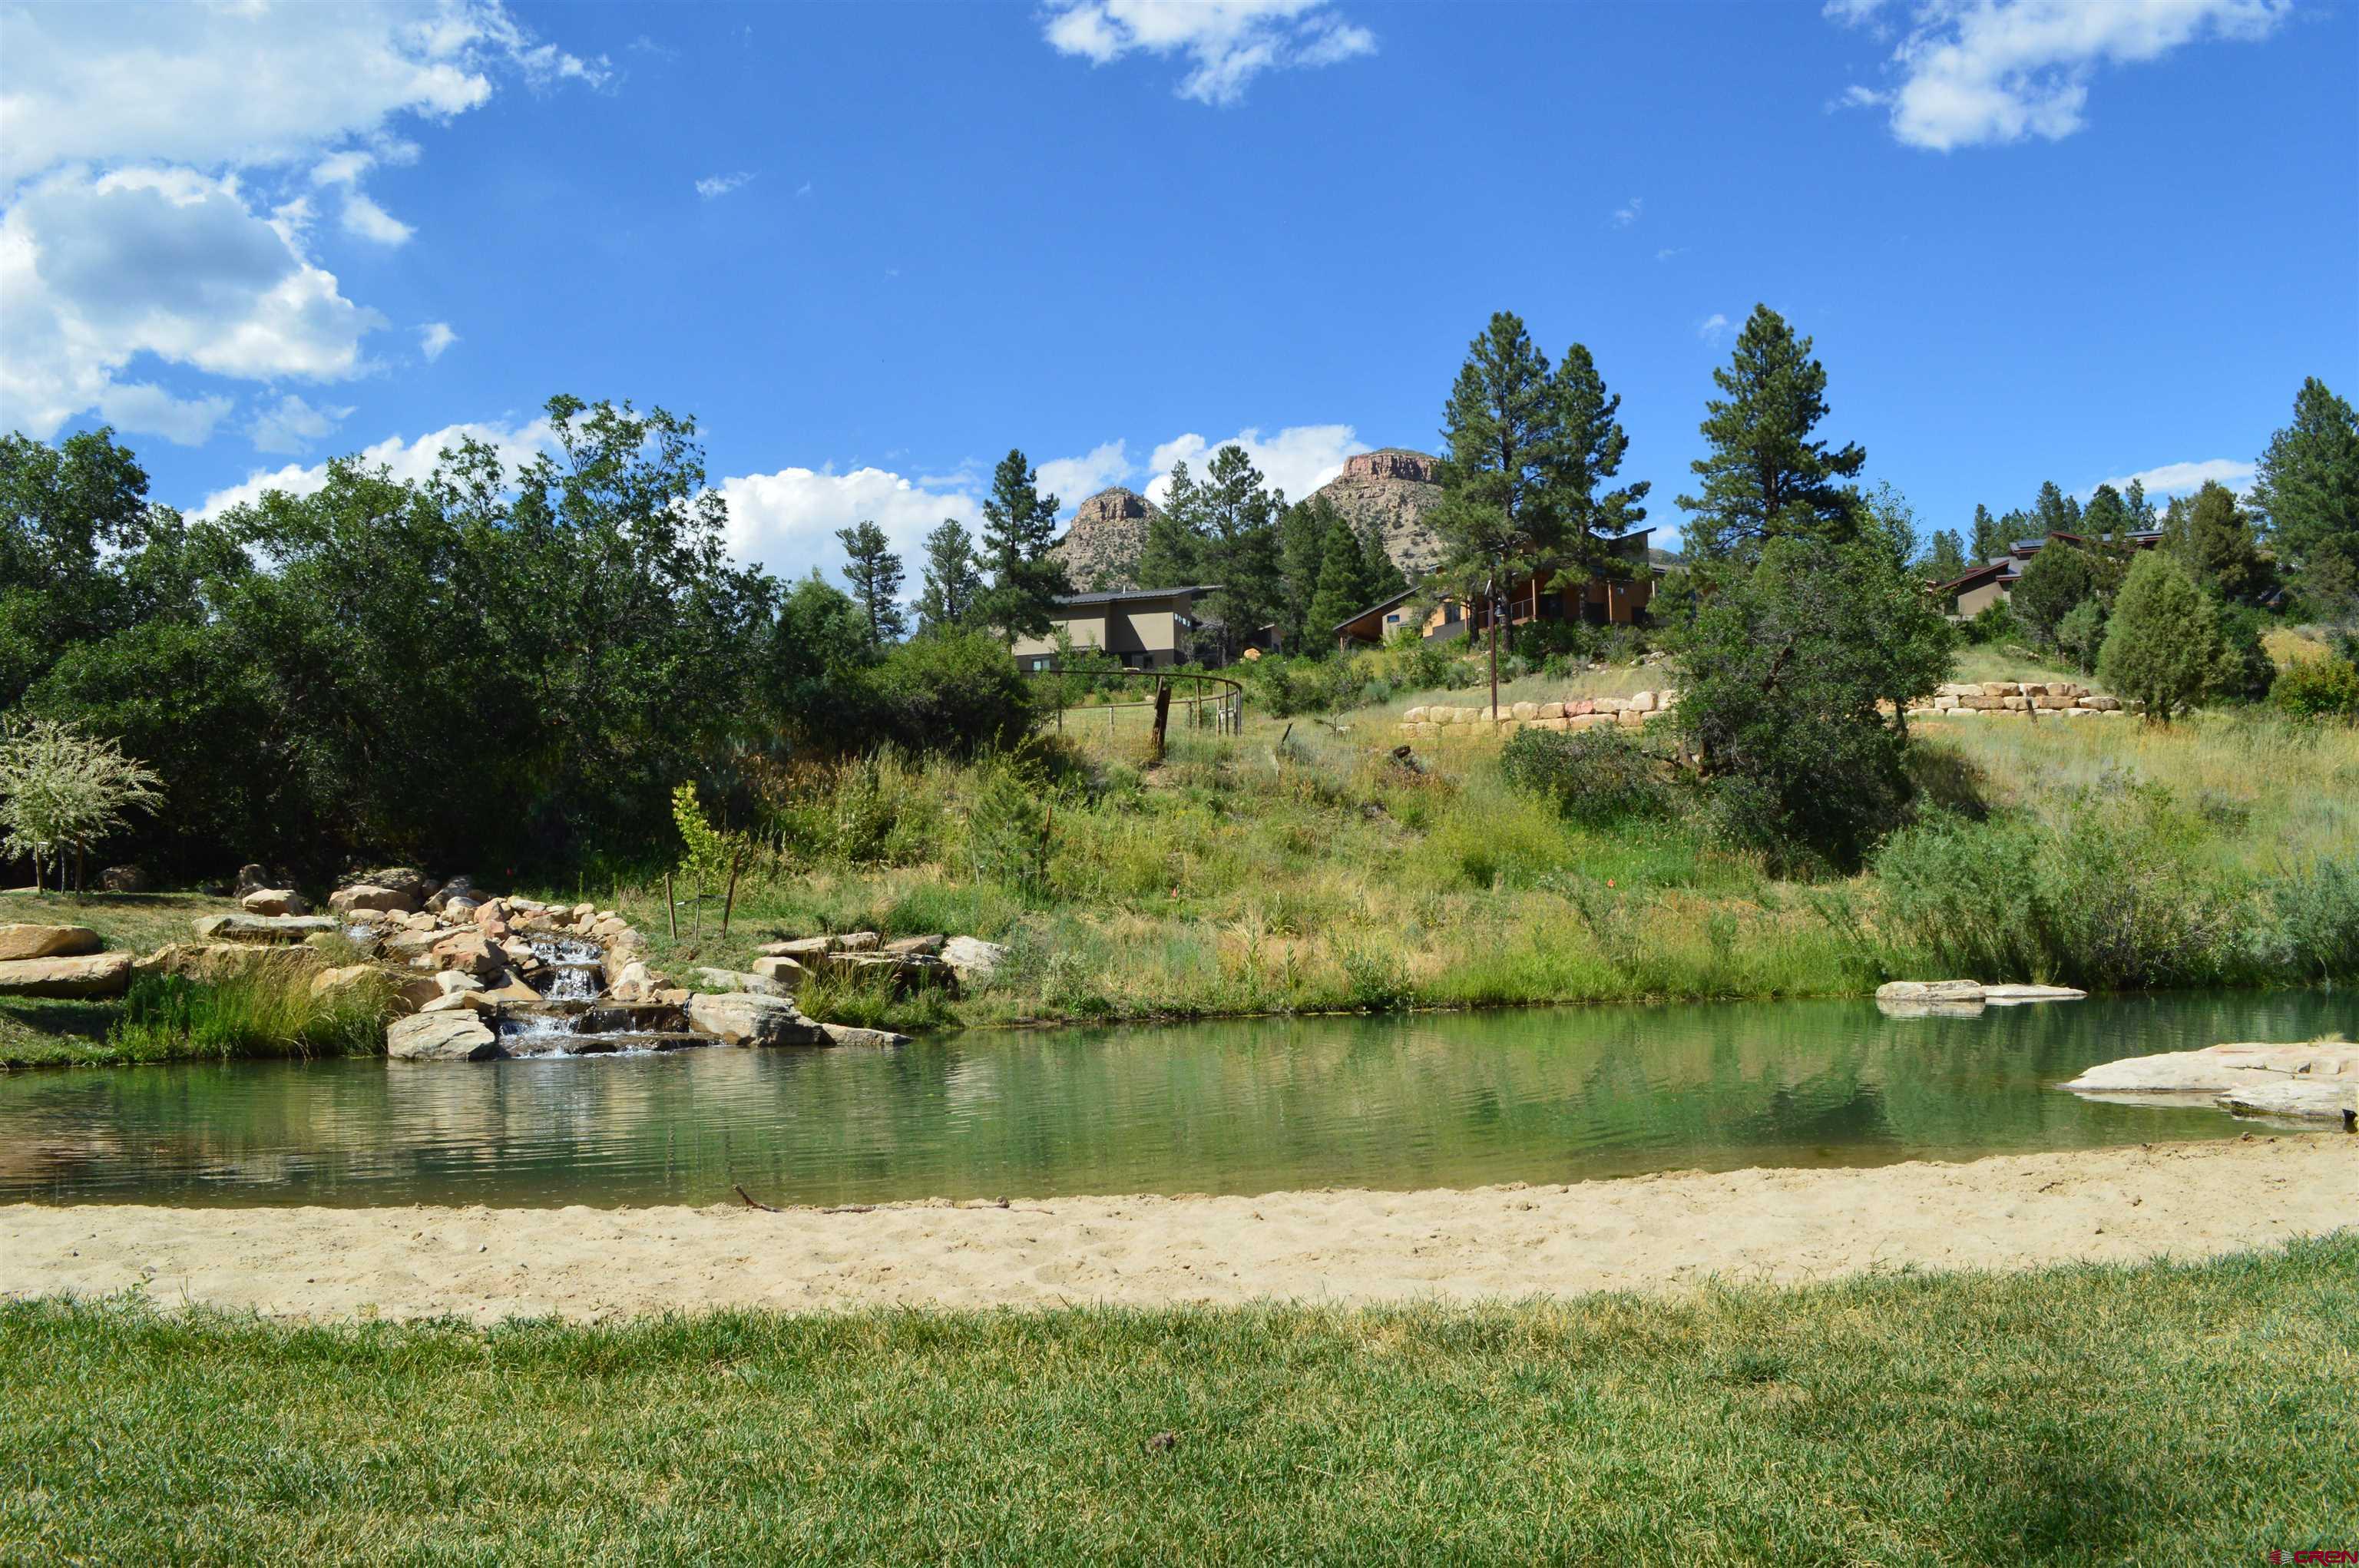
pixel 1102 548
pixel 1388 494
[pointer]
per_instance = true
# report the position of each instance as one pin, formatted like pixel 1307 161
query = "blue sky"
pixel 872 246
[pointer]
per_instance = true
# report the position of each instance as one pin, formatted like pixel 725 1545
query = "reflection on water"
pixel 1449 1100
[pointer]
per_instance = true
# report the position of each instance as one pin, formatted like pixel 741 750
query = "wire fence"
pixel 1194 701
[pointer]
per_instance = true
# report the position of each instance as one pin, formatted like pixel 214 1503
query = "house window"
pixel 1392 619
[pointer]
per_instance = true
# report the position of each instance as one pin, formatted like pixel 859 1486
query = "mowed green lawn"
pixel 2154 1413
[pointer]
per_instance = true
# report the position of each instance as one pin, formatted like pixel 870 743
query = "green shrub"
pixel 1994 627
pixel 1008 826
pixel 2319 688
pixel 2245 671
pixel 2317 911
pixel 1596 776
pixel 959 693
pixel 2113 898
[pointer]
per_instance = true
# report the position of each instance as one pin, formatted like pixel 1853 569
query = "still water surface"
pixel 1453 1100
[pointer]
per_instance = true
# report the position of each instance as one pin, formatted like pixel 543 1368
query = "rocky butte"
pixel 1388 494
pixel 1102 549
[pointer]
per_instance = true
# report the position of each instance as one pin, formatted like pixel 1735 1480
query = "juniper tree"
pixel 2162 645
pixel 1018 526
pixel 875 573
pixel 1766 477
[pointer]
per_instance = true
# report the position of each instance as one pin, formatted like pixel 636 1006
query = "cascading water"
pixel 573 967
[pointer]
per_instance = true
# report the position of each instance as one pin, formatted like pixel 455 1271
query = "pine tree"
pixel 2139 510
pixel 1765 476
pixel 952 581
pixel 1173 554
pixel 1354 574
pixel 2105 524
pixel 2162 646
pixel 1589 453
pixel 1990 537
pixel 2307 492
pixel 1302 553
pixel 875 573
pixel 1502 429
pixel 1018 526
pixel 2054 512
pixel 2217 544
pixel 1946 561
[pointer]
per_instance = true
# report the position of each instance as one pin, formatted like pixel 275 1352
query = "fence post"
pixel 1162 714
pixel 730 902
pixel 671 909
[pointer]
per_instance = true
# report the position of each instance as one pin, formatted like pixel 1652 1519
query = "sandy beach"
pixel 1655 1233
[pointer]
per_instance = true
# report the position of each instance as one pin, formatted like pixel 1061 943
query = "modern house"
pixel 1544 596
pixel 1993 582
pixel 1145 629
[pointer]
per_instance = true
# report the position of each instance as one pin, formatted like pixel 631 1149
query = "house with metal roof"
pixel 1145 629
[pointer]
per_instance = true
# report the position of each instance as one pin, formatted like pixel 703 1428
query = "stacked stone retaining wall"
pixel 1971 698
pixel 1444 722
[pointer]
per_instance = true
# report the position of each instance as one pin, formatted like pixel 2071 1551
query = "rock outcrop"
pixel 1388 494
pixel 2320 1078
pixel 92 974
pixel 45 942
pixel 1101 549
pixel 441 1037
pixel 746 1017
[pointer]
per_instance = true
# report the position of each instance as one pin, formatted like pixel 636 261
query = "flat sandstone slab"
pixel 1653 1233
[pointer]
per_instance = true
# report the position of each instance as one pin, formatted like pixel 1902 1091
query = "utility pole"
pixel 1491 608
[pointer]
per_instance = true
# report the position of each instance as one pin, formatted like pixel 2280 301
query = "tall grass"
pixel 267 1011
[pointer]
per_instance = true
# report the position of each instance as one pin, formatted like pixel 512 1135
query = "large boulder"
pixel 250 877
pixel 371 896
pixel 457 887
pixel 852 1034
pixel 352 983
pixel 722 981
pixel 274 901
pixel 90 974
pixel 441 1037
pixel 472 952
pixel 921 946
pixel 1930 991
pixel 973 960
pixel 261 927
pixel 2323 1097
pixel 797 947
pixel 406 879
pixel 776 970
pixel 904 972
pixel 745 1018
pixel 125 879
pixel 20 942
pixel 2222 1069
pixel 223 959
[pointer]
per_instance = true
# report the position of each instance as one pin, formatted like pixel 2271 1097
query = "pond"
pixel 1447 1100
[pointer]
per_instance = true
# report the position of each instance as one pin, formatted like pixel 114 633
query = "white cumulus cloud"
pixel 1226 43
pixel 1297 460
pixel 2180 478
pixel 293 425
pixel 433 338
pixel 1713 328
pixel 139 148
pixel 785 522
pixel 1972 71
pixel 1076 479
pixel 364 219
pixel 1630 213
pixel 516 444
pixel 165 262
pixel 251 85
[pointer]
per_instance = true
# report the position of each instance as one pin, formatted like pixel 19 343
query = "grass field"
pixel 2154 1413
